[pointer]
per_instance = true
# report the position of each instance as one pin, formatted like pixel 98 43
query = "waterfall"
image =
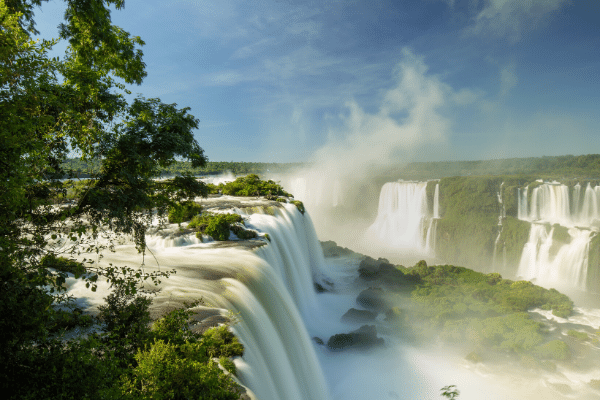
pixel 436 202
pixel 551 264
pixel 522 210
pixel 500 224
pixel 545 260
pixel 402 217
pixel 294 252
pixel 269 290
pixel 279 361
pixel 552 202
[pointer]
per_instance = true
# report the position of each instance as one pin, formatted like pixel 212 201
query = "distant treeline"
pixel 84 169
pixel 585 167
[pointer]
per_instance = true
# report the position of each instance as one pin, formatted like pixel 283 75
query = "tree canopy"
pixel 52 108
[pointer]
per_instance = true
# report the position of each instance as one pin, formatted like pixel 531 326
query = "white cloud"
pixel 509 18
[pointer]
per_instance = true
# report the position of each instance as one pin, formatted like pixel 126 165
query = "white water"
pixel 553 203
pixel 567 269
pixel 403 219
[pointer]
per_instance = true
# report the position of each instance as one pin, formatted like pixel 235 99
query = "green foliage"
pixel 470 210
pixel 182 212
pixel 166 371
pixel 515 233
pixel 450 392
pixel 218 226
pixel 252 185
pixel 542 167
pixel 76 104
pixel 299 205
pixel 578 335
pixel 555 350
pixel 63 264
pixel 83 168
pixel 125 319
pixel 66 320
pixel 482 310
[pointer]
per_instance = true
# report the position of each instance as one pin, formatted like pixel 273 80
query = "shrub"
pixel 555 350
pixel 182 212
pixel 216 225
pixel 252 185
pixel 166 371
pixel 299 205
pixel 63 264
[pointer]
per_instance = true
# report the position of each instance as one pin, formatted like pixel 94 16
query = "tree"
pixel 50 108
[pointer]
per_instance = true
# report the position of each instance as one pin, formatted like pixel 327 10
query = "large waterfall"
pixel 551 258
pixel 404 220
pixel 268 291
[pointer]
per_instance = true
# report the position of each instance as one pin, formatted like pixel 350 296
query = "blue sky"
pixel 375 81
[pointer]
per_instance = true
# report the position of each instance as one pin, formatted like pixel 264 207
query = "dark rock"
pixel 319 288
pixel 370 269
pixel 359 316
pixel 331 249
pixel 363 338
pixel 318 340
pixel 372 299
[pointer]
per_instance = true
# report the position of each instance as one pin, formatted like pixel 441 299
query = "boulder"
pixel 363 338
pixel 359 316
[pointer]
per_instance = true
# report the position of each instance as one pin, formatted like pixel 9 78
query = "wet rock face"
pixel 359 316
pixel 363 338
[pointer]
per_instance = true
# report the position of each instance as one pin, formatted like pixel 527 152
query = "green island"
pixel 483 314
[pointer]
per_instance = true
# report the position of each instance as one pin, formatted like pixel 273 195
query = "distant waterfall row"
pixel 556 204
pixel 557 252
pixel 404 219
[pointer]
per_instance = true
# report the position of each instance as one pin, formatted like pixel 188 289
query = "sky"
pixel 373 81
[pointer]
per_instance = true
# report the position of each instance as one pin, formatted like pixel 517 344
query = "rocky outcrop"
pixel 363 338
pixel 331 249
pixel 373 299
pixel 371 269
pixel 359 316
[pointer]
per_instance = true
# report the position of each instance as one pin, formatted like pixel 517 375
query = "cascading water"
pixel 294 252
pixel 550 262
pixel 554 203
pixel 500 224
pixel 270 291
pixel 403 220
